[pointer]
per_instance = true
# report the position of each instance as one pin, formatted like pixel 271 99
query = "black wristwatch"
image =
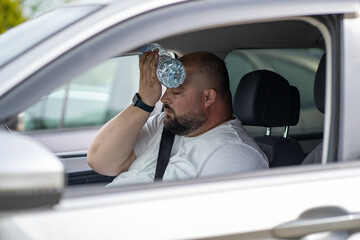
pixel 138 103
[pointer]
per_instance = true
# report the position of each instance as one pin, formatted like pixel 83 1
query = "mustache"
pixel 168 108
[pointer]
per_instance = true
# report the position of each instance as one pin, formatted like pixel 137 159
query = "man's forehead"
pixel 182 87
pixel 186 84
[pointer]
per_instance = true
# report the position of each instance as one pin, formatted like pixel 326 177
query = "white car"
pixel 47 191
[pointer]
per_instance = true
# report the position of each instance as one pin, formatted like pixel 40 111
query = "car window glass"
pixel 298 66
pixel 25 36
pixel 90 99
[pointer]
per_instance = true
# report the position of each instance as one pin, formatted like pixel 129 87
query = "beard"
pixel 184 124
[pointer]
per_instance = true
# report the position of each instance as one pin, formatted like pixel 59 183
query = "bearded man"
pixel 209 140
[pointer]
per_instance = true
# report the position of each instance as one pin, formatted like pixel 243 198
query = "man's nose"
pixel 165 98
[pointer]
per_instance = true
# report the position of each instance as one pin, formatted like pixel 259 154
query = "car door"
pixel 283 203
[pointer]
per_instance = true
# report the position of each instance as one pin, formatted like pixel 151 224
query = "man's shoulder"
pixel 232 135
pixel 232 129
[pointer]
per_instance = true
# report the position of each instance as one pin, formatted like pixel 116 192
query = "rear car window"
pixel 298 66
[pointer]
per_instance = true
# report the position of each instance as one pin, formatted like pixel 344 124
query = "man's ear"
pixel 210 97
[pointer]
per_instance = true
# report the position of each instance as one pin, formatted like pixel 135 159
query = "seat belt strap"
pixel 166 142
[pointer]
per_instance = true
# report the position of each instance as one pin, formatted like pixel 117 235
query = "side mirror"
pixel 30 175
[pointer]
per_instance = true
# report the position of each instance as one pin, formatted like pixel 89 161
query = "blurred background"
pixel 14 12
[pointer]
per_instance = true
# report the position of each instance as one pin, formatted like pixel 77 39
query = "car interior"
pixel 272 67
pixel 264 98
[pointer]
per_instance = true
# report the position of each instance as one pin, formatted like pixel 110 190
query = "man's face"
pixel 184 107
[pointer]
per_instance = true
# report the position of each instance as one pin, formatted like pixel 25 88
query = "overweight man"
pixel 209 140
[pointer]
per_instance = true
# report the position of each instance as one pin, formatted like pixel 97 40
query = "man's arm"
pixel 111 152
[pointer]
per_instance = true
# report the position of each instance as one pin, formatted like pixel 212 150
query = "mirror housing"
pixel 30 175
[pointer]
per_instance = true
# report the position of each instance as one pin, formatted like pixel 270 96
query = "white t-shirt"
pixel 226 149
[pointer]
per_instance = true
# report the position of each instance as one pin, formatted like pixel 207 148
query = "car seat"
pixel 319 96
pixel 264 98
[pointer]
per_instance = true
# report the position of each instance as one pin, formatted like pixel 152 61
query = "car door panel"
pixel 87 177
pixel 78 172
pixel 251 206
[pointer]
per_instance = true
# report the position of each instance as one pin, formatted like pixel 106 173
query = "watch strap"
pixel 140 104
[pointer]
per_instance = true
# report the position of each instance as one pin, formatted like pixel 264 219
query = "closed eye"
pixel 176 92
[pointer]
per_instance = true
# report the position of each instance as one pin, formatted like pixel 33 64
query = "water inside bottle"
pixel 170 71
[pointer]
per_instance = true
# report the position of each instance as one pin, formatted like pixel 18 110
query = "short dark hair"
pixel 214 69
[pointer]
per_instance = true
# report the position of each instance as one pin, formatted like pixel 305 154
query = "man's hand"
pixel 149 87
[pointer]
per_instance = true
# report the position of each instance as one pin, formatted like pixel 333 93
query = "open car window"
pixel 96 95
pixel 90 99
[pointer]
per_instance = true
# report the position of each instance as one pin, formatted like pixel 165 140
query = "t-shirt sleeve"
pixel 147 133
pixel 233 159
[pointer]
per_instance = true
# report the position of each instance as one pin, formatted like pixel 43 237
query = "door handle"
pixel 316 220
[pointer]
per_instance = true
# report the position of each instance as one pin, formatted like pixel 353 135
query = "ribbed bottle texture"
pixel 170 71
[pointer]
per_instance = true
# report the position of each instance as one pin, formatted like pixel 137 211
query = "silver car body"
pixel 264 205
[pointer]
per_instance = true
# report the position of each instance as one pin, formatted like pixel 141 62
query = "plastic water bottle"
pixel 170 71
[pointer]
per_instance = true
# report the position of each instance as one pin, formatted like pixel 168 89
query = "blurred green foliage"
pixel 10 14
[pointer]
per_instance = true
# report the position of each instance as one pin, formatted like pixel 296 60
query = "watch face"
pixel 135 99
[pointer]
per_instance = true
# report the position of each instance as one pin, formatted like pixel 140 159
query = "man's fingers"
pixel 154 60
pixel 147 58
pixel 148 62
pixel 153 73
pixel 143 57
pixel 144 60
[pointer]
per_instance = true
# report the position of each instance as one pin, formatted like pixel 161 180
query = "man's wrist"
pixel 140 104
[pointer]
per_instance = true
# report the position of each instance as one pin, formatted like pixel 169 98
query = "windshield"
pixel 20 39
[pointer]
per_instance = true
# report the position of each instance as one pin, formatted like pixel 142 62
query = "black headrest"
pixel 295 106
pixel 263 98
pixel 319 85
